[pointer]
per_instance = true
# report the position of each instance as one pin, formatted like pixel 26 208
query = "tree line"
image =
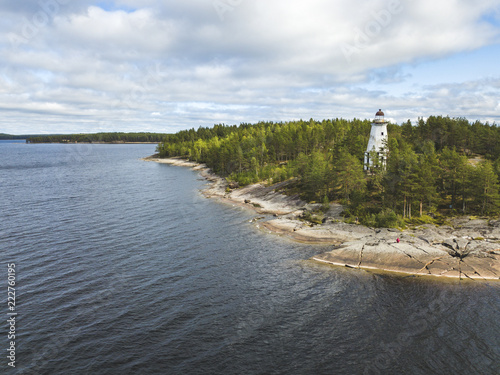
pixel 439 166
pixel 4 136
pixel 98 137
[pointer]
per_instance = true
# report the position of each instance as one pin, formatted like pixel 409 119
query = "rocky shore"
pixel 467 249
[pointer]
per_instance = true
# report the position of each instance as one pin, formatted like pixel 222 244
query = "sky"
pixel 78 66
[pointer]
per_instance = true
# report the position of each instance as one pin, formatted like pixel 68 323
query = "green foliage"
pixel 370 220
pixel 315 176
pixel 312 218
pixel 387 218
pixel 228 149
pixel 349 175
pixel 4 136
pixel 426 219
pixel 244 178
pixel 486 192
pixel 325 204
pixel 420 220
pixel 427 169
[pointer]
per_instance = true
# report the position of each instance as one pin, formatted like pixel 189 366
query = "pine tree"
pixel 487 191
pixel 349 174
pixel 453 170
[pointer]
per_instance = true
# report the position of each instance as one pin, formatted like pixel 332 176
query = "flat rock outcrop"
pixel 467 248
pixel 426 251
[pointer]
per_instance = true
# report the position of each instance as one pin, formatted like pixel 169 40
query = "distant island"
pixel 6 137
pixel 440 178
pixel 115 137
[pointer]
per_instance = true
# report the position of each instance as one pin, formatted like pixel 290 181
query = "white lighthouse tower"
pixel 377 142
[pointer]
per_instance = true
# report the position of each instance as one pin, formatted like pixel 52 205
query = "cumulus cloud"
pixel 132 65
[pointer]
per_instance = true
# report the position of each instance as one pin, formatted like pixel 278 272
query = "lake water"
pixel 123 267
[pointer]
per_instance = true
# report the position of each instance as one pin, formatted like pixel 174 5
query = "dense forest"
pixel 4 136
pixel 98 137
pixel 435 168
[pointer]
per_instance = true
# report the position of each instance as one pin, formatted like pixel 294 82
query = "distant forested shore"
pixel 435 168
pixel 6 137
pixel 98 138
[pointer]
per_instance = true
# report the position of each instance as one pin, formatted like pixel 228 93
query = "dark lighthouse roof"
pixel 379 118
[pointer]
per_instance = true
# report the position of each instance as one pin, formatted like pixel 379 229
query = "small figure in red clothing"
pixel 397 240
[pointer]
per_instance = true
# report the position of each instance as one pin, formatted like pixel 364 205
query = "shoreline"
pixel 90 143
pixel 468 250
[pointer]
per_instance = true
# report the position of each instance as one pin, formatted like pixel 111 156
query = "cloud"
pixel 129 64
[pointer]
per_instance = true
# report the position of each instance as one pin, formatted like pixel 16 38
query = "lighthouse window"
pixel 382 133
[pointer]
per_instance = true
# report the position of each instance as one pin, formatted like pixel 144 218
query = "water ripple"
pixel 124 268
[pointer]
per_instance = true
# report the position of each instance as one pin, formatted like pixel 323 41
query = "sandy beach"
pixel 467 249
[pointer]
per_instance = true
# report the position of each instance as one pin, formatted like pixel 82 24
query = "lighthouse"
pixel 377 142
